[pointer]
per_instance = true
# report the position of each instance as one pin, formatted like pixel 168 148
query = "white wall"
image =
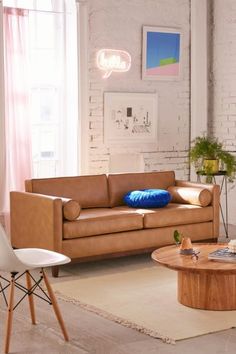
pixel 223 82
pixel 118 24
pixel 200 10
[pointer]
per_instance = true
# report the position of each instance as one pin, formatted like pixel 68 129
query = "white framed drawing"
pixel 130 118
pixel 161 56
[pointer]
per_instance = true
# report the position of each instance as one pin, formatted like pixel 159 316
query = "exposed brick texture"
pixel 222 120
pixel 118 24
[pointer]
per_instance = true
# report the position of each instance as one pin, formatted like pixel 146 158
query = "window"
pixel 53 85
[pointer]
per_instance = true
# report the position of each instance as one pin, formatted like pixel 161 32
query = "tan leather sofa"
pixel 105 226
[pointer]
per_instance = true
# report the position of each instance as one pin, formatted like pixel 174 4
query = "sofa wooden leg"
pixel 55 271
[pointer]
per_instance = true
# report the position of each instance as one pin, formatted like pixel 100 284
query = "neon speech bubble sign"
pixel 110 60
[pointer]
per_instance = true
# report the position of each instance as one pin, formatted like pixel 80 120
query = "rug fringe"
pixel 116 319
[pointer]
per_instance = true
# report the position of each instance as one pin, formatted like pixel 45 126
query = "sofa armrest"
pixel 36 221
pixel 215 202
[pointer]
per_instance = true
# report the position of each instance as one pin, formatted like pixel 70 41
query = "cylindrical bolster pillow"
pixel 190 195
pixel 71 209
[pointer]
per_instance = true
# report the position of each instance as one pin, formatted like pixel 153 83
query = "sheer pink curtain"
pixel 17 118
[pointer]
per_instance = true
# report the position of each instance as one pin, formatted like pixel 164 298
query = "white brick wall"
pixel 222 120
pixel 118 24
pixel 223 117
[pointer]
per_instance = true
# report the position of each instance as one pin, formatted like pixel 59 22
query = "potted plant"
pixel 207 154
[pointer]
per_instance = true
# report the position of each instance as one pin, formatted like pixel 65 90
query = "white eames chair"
pixel 20 262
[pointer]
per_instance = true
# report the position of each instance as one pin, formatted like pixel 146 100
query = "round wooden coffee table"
pixel 202 283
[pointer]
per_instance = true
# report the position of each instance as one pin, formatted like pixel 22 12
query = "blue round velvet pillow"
pixel 147 198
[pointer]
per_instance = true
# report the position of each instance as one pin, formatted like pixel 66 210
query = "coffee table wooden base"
pixel 207 291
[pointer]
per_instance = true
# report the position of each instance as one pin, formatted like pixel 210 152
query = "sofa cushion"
pixel 120 184
pixel 99 221
pixel 90 191
pixel 177 214
pixel 147 198
pixel 71 209
pixel 190 195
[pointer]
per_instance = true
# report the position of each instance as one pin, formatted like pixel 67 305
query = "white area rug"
pixel 139 294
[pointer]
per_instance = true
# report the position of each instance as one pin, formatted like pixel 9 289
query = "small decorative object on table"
pixel 185 243
pixel 186 246
pixel 177 237
pixel 232 246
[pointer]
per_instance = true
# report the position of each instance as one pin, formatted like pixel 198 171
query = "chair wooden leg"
pixel 55 306
pixel 31 298
pixel 9 315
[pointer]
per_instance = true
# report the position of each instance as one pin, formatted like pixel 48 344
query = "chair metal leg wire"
pixel 29 291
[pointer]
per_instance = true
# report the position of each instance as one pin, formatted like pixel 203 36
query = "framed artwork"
pixel 161 57
pixel 130 118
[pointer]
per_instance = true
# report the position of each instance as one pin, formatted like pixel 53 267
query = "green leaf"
pixel 177 236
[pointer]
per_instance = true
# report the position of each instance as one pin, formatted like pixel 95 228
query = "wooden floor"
pixel 90 333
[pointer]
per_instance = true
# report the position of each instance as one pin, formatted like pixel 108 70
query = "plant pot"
pixel 186 246
pixel 211 166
